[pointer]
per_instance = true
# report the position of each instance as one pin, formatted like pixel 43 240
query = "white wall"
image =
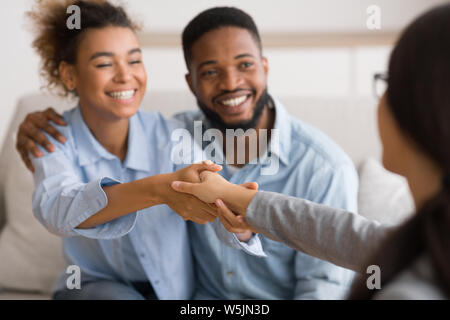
pixel 282 15
pixel 334 71
pixel 18 63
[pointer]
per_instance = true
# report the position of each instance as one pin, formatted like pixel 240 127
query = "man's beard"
pixel 217 122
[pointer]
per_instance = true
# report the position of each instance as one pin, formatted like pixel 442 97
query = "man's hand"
pixel 232 222
pixel 186 205
pixel 30 134
pixel 243 231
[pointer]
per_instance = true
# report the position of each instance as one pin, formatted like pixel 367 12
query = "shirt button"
pixel 230 273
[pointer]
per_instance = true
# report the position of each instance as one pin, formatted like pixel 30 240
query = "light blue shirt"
pixel 151 244
pixel 311 166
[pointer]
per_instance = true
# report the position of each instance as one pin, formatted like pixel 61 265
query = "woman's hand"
pixel 212 186
pixel 215 189
pixel 186 205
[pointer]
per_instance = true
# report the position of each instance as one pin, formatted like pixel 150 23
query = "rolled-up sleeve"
pixel 61 201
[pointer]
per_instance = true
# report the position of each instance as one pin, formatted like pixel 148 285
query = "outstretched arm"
pixel 68 207
pixel 335 235
pixel 214 187
pixel 338 236
pixel 155 190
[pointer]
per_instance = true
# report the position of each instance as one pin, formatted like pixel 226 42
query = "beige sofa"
pixel 31 258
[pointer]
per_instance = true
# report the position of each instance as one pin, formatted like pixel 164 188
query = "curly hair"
pixel 55 42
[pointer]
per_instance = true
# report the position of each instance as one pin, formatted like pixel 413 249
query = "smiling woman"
pixel 109 79
pixel 77 191
pixel 55 42
pixel 107 76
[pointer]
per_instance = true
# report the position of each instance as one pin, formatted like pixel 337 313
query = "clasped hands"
pixel 196 195
pixel 202 195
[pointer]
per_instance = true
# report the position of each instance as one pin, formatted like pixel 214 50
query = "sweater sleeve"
pixel 335 235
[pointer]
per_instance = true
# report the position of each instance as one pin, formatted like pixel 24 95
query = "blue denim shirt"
pixel 155 241
pixel 311 166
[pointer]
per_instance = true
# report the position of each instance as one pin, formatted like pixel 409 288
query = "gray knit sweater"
pixel 338 236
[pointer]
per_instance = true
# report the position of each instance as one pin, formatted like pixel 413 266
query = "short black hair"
pixel 216 18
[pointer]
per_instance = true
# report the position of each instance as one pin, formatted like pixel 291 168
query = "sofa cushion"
pixel 383 195
pixel 17 295
pixel 31 258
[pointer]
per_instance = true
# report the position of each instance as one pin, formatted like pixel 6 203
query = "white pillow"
pixel 30 257
pixel 383 195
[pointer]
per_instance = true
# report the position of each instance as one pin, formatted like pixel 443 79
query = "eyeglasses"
pixel 380 81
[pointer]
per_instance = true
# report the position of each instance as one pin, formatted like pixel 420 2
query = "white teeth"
pixel 123 95
pixel 234 102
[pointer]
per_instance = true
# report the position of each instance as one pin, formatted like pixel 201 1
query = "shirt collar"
pixel 91 151
pixel 283 130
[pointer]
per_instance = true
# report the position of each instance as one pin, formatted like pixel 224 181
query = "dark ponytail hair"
pixel 418 96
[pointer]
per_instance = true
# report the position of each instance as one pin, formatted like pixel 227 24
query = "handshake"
pixel 201 195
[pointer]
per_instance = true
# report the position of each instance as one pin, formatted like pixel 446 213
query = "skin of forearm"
pixel 129 197
pixel 238 198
